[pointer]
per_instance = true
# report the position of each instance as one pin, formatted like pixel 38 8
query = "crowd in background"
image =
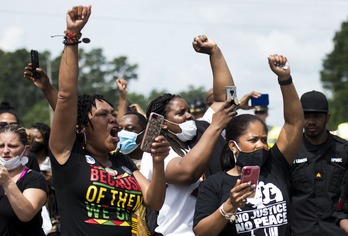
pixel 86 173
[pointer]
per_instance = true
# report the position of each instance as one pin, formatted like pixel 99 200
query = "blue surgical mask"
pixel 128 141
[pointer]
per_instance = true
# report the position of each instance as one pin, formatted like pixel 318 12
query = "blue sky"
pixel 157 35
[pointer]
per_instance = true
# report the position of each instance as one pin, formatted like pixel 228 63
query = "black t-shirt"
pixel 32 162
pixel 9 222
pixel 266 214
pixel 94 200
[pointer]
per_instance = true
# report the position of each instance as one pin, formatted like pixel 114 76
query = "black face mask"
pixel 255 158
pixel 37 147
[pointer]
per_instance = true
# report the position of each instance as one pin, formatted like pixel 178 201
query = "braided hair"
pixel 161 105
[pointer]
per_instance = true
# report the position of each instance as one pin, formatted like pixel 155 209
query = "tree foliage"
pixel 97 75
pixel 334 77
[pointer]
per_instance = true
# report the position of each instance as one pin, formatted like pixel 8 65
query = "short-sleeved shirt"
pixel 265 214
pixel 93 199
pixel 9 222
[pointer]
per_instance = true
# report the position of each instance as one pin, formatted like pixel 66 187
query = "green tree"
pixel 334 77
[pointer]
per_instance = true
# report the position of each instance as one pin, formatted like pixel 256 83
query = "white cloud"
pixel 12 38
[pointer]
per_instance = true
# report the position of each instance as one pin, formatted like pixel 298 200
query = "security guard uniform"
pixel 316 177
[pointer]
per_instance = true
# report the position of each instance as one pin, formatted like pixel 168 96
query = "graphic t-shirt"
pixel 265 214
pixel 9 222
pixel 92 199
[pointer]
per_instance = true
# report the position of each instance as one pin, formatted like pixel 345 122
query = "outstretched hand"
pixel 202 44
pixel 77 17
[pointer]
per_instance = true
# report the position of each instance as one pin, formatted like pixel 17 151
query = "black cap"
pixel 314 101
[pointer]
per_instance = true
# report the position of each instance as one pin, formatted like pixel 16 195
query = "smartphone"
pixel 34 55
pixel 153 129
pixel 231 92
pixel 250 174
pixel 263 100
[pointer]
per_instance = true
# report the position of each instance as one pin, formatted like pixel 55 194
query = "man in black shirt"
pixel 317 172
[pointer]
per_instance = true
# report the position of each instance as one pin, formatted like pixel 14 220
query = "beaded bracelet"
pixel 228 216
pixel 285 82
pixel 71 39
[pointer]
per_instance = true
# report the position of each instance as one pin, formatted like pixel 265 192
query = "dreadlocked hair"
pixel 161 105
pixel 85 103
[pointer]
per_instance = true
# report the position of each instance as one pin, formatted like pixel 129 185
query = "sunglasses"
pixel 3 124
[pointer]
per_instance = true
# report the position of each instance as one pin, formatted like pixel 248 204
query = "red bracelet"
pixel 72 38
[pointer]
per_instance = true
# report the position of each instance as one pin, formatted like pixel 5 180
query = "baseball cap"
pixel 314 101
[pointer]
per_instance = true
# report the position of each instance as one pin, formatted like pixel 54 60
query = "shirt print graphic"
pixel 112 197
pixel 266 211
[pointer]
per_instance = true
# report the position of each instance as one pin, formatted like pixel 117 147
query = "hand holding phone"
pixel 153 129
pixel 231 92
pixel 263 100
pixel 250 174
pixel 34 55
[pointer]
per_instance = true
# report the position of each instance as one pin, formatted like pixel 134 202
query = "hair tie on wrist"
pixel 285 82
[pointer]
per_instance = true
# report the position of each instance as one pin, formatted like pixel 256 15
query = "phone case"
pixel 263 100
pixel 34 55
pixel 153 129
pixel 250 174
pixel 231 92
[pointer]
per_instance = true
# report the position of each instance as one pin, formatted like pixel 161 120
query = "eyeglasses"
pixel 3 124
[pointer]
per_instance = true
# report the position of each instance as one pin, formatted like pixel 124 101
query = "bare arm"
pixel 290 136
pixel 221 73
pixel 214 223
pixel 43 83
pixel 189 169
pixel 25 205
pixel 154 191
pixel 121 85
pixel 63 130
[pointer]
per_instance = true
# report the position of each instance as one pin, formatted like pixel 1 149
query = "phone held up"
pixel 250 174
pixel 153 129
pixel 263 100
pixel 231 92
pixel 34 55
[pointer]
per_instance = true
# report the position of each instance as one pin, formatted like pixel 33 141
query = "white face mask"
pixel 15 162
pixel 188 130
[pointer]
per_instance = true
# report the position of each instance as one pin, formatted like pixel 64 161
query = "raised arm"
pixel 121 85
pixel 290 136
pixel 221 73
pixel 63 130
pixel 43 83
pixel 190 168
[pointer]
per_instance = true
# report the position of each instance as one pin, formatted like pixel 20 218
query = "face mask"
pixel 14 163
pixel 37 147
pixel 255 158
pixel 188 130
pixel 128 141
